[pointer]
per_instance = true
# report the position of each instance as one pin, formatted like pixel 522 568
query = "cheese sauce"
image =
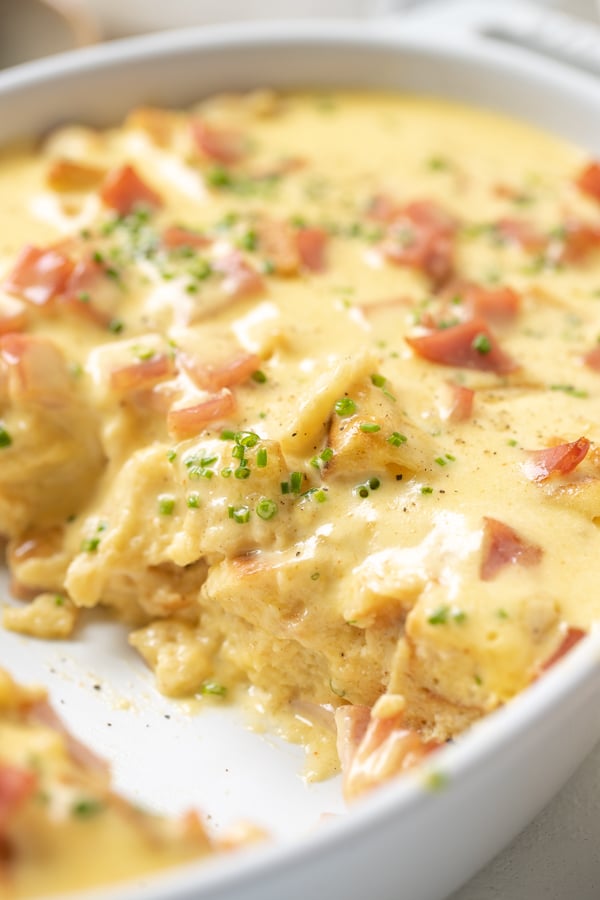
pixel 305 388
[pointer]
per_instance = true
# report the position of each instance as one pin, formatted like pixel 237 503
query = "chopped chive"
pixel 241 472
pixel 315 576
pixel 213 689
pixel 436 781
pixel 166 504
pixel 374 483
pixel 396 439
pixel 193 501
pixel 265 508
pixel 426 489
pixel 239 514
pixel 227 435
pixel 261 457
pixel 171 455
pixel 481 343
pixel 285 487
pixel 369 427
pixel 116 326
pixel 439 617
pixel 320 495
pixel 249 241
pixel 143 353
pixel 345 407
pixel 296 482
pixel 90 545
pixel 437 163
pixel 441 461
pixel 201 269
pixel 5 438
pixel 218 176
pixel 85 808
pixel 59 600
pixel 322 458
pixel 247 438
pixel 226 473
pixel 238 452
pixel 259 376
pixel 569 389
pixel 378 380
pixel 362 490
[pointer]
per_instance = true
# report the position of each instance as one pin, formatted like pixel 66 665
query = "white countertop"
pixel 557 857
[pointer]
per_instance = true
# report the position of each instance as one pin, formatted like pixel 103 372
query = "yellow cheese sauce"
pixel 61 827
pixel 305 390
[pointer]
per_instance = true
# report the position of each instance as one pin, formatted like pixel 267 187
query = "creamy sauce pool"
pixel 288 480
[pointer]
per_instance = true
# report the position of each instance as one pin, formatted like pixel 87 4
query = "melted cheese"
pixel 325 554
pixel 61 826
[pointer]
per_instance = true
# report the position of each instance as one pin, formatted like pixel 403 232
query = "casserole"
pixel 408 819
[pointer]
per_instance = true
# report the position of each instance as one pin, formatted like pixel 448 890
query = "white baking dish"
pixel 404 841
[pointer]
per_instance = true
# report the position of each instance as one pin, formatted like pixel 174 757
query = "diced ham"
pixel 39 275
pixel 278 244
pixel 588 180
pixel 571 638
pixel 14 314
pixel 142 374
pixel 569 244
pixel 176 236
pixel 351 723
pixel 281 167
pixel 191 420
pixel 288 249
pixel 229 374
pixel 16 785
pixel 68 175
pixel 469 345
pixel 497 304
pixel 457 405
pixel 592 358
pixel 311 244
pixel 422 237
pixel 384 209
pixel 37 370
pixel 159 124
pixel 221 145
pixel 157 399
pixel 502 546
pixel 429 214
pixel 519 232
pixel 375 750
pixel 240 279
pixel 559 460
pixel 87 286
pixel 123 190
pixel 575 241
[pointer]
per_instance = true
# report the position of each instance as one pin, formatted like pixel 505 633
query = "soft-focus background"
pixel 558 856
pixel 35 28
